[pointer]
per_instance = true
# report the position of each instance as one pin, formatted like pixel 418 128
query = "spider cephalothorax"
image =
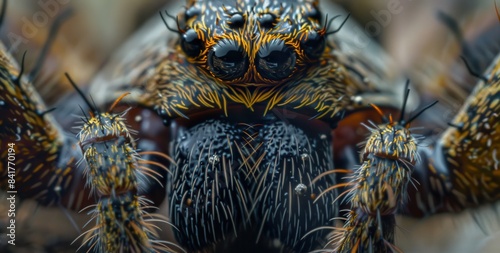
pixel 261 55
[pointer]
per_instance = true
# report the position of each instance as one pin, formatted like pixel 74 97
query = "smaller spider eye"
pixel 315 14
pixel 191 44
pixel 193 11
pixel 227 60
pixel 236 21
pixel 267 20
pixel 314 45
pixel 275 60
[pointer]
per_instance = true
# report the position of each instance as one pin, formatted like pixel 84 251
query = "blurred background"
pixel 422 44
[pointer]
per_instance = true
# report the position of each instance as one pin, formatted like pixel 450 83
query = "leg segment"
pixel 45 160
pixel 462 170
pixel 46 166
pixel 114 173
pixel 378 190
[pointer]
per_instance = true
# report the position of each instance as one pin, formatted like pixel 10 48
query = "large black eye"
pixel 313 45
pixel 191 44
pixel 227 60
pixel 275 60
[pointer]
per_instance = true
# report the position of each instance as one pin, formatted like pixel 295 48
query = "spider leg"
pixel 48 167
pixel 115 173
pixel 462 169
pixel 459 171
pixel 45 166
pixel 378 190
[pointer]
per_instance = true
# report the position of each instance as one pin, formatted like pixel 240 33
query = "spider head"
pixel 263 43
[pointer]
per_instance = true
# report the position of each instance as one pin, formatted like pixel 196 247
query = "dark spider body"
pixel 251 92
pixel 242 97
pixel 249 173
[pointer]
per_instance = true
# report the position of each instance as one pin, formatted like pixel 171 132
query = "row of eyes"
pixel 274 61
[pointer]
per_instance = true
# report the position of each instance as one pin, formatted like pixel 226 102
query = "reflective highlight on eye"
pixel 313 45
pixel 237 20
pixel 227 60
pixel 275 60
pixel 191 44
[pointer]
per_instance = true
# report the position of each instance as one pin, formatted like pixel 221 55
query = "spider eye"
pixel 236 21
pixel 314 45
pixel 267 20
pixel 191 44
pixel 275 60
pixel 227 60
pixel 193 11
pixel 315 14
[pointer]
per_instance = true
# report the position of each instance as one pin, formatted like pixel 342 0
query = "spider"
pixel 225 115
